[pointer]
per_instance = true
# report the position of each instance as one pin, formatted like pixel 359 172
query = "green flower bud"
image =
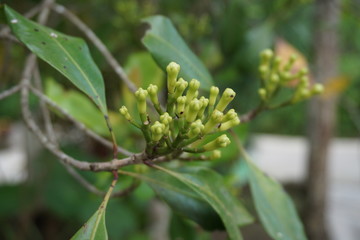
pixel 193 87
pixel 263 70
pixel 285 76
pixel 216 154
pixel 266 56
pixel 204 103
pixel 214 91
pixel 219 142
pixel 193 110
pixel 304 82
pixel 215 118
pixel 195 129
pixel 229 124
pixel 290 63
pixel 304 71
pixel 152 91
pixel 230 115
pixel 124 111
pixel 276 64
pixel 227 96
pixel 317 89
pixel 180 107
pixel 141 95
pixel 262 93
pixel 157 130
pixel 172 70
pixel 304 93
pixel 166 120
pixel 180 86
pixel 274 78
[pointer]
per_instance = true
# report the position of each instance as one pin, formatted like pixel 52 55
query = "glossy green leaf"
pixel 210 187
pixel 166 45
pixel 69 55
pixel 184 201
pixel 95 228
pixel 78 106
pixel 143 70
pixel 275 208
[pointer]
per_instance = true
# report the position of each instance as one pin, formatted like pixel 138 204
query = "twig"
pixel 78 124
pixel 9 92
pixel 97 42
pixel 247 117
pixel 8 36
pixel 45 112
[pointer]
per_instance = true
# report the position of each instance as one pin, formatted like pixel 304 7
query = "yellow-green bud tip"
pixel 152 89
pixel 165 118
pixel 317 88
pixel 123 110
pixel 267 54
pixel 194 85
pixel 262 93
pixel 157 130
pixel 173 68
pixel 215 154
pixel 141 94
pixel 223 141
pixel 227 96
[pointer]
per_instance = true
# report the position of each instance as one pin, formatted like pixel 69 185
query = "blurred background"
pixel 311 147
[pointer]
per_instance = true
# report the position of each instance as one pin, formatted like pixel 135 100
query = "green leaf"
pixel 95 228
pixel 166 45
pixel 275 208
pixel 210 187
pixel 69 55
pixel 184 201
pixel 143 70
pixel 77 105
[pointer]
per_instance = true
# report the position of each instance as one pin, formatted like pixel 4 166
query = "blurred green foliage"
pixel 227 35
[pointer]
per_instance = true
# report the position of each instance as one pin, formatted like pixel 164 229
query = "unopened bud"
pixel 227 96
pixel 157 130
pixel 172 70
pixel 180 106
pixel 215 118
pixel 191 93
pixel 124 111
pixel 141 95
pixel 204 103
pixel 152 91
pixel 317 89
pixel 195 129
pixel 214 91
pixel 193 110
pixel 231 114
pixel 215 154
pixel 180 87
pixel 266 55
pixel 262 93
pixel 229 124
pixel 219 142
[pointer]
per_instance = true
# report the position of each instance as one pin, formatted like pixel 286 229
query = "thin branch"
pixel 114 164
pixel 9 92
pixel 97 42
pixel 8 36
pixel 44 111
pixel 78 124
pixel 247 117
